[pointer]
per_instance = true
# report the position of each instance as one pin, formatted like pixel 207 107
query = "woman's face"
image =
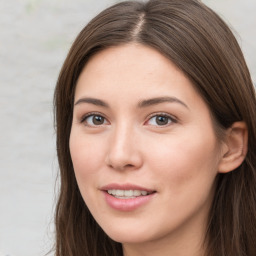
pixel 143 147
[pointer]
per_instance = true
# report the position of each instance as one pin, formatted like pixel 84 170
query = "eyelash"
pixel 171 119
pixel 91 114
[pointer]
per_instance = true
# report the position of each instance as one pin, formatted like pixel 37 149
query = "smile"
pixel 127 194
pixel 127 197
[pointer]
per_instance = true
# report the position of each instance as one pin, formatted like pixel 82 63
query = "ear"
pixel 234 147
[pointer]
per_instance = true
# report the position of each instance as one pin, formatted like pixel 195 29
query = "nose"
pixel 123 150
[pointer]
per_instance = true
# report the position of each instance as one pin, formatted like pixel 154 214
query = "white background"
pixel 35 36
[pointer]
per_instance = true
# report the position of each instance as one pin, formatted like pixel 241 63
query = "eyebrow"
pixel 141 104
pixel 159 100
pixel 93 101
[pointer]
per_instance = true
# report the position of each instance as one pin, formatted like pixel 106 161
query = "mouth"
pixel 128 194
pixel 127 197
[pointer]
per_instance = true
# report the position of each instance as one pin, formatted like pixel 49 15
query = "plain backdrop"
pixel 35 36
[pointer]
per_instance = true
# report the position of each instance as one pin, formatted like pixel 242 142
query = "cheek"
pixel 86 156
pixel 185 161
pixel 185 172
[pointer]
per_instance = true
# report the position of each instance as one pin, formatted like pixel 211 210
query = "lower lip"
pixel 130 204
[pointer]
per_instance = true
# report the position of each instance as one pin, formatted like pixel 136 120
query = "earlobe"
pixel 234 148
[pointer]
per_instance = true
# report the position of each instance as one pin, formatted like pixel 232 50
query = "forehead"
pixel 132 69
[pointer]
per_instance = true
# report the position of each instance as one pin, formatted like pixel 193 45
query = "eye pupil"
pixel 162 120
pixel 98 120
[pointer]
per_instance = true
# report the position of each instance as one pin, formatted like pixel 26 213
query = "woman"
pixel 155 113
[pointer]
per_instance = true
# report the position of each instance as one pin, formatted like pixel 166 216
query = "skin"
pixel 179 160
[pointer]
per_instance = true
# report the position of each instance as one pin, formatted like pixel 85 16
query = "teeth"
pixel 127 193
pixel 143 193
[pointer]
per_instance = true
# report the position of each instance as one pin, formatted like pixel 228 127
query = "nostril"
pixel 129 165
pixel 122 160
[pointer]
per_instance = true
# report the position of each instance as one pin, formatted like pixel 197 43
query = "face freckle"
pixel 175 161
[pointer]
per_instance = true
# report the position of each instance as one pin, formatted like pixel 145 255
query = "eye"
pixel 94 120
pixel 161 120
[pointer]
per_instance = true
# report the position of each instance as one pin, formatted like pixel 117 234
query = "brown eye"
pixel 98 120
pixel 94 120
pixel 161 120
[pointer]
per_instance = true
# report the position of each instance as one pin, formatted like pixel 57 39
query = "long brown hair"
pixel 198 42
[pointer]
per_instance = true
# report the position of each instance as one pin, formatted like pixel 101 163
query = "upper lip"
pixel 126 186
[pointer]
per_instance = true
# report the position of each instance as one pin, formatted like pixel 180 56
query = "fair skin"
pixel 138 124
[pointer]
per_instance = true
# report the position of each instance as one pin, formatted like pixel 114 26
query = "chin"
pixel 130 236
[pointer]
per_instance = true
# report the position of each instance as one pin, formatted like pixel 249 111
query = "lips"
pixel 126 197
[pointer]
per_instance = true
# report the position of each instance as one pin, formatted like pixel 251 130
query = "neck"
pixel 173 247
